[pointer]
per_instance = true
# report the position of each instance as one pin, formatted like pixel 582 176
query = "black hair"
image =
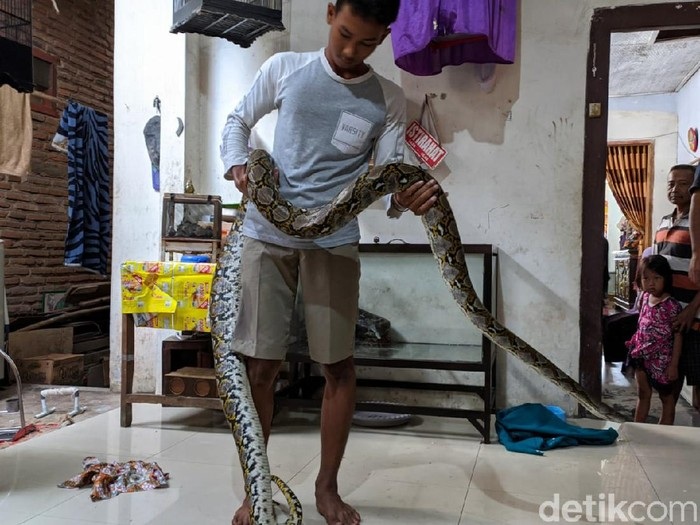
pixel 383 12
pixel 684 167
pixel 659 265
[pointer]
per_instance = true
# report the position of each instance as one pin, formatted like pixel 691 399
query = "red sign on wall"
pixel 424 145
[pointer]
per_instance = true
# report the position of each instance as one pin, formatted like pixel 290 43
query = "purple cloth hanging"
pixel 431 34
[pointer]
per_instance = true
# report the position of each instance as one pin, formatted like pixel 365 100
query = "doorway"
pixel 605 23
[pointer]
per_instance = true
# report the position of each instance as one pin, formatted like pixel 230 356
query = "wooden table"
pixel 129 398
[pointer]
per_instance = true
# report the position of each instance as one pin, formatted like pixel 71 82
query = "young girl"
pixel 655 348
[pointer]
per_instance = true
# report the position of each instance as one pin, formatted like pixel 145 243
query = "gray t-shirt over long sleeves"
pixel 327 128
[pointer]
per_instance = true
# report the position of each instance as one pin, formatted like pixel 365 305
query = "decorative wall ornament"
pixel 693 139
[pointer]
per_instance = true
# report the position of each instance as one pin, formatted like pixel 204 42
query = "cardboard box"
pixel 97 374
pixel 172 295
pixel 52 369
pixel 33 343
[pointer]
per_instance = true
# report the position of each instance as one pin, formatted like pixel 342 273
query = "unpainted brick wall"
pixel 33 212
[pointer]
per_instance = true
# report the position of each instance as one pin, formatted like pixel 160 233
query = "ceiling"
pixel 647 62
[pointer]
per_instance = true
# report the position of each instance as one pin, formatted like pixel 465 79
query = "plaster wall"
pixel 661 127
pixel 688 116
pixel 148 62
pixel 513 171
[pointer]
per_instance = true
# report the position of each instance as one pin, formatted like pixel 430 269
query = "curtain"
pixel 628 171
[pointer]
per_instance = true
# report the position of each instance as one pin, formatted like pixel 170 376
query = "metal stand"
pixel 8 433
pixel 73 391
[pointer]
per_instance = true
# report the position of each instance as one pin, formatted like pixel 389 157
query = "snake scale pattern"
pixel 445 242
pixel 234 390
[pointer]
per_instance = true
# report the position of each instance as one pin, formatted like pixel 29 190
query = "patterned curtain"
pixel 629 174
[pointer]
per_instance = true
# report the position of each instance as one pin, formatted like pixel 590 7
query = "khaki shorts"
pixel 329 280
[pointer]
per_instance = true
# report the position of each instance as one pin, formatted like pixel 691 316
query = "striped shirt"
pixel 673 242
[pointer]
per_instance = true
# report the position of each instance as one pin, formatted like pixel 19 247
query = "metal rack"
pixel 470 366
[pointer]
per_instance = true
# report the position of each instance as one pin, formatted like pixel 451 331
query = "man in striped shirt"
pixel 673 241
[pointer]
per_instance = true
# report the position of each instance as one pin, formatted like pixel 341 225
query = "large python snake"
pixel 443 235
pixel 234 389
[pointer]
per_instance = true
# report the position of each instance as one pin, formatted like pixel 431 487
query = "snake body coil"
pixel 445 242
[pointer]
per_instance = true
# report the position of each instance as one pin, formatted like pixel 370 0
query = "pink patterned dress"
pixel 652 344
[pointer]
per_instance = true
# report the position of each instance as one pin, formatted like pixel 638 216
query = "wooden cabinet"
pixel 625 274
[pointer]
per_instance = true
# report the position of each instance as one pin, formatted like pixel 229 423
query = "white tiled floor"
pixel 435 471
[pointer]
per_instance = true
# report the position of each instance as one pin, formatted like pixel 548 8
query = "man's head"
pixel 357 27
pixel 382 12
pixel 679 180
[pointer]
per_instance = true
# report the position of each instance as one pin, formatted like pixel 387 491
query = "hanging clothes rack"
pixel 41 94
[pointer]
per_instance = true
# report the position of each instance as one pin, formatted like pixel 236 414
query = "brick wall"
pixel 33 212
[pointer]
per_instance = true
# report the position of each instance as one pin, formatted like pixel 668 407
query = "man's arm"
pixel 390 148
pixel 259 101
pixel 672 370
pixel 685 319
pixel 694 270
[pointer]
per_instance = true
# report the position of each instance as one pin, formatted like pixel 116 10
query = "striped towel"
pixel 89 205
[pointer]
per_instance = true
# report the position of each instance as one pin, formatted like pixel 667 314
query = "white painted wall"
pixel 662 128
pixel 513 183
pixel 665 102
pixel 148 62
pixel 688 116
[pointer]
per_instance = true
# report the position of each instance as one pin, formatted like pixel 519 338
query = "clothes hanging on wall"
pixel 15 132
pixel 431 34
pixel 89 205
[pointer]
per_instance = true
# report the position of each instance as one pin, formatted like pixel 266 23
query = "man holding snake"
pixel 334 112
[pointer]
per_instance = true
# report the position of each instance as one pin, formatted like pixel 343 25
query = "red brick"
pixel 33 212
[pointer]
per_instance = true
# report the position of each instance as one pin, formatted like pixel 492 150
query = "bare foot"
pixel 242 515
pixel 335 510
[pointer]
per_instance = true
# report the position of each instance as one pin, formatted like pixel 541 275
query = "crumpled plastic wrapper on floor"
pixel 111 479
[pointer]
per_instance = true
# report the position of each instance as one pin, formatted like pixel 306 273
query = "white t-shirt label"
pixel 351 133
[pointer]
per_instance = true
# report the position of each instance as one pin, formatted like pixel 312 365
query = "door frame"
pixel 604 22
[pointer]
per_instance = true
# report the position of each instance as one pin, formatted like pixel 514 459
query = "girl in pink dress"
pixel 655 348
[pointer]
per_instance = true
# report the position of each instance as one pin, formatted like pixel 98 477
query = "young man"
pixel 334 111
pixel 673 241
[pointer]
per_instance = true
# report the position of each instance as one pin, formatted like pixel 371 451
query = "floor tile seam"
pixel 193 462
pixel 471 479
pixel 176 444
pixel 61 450
pixel 651 483
pixel 46 512
pixel 469 484
pixel 306 465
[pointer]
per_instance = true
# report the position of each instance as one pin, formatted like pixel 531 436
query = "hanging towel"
pixel 532 428
pixel 431 34
pixel 89 206
pixel 15 132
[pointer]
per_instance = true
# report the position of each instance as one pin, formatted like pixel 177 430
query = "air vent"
pixel 240 22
